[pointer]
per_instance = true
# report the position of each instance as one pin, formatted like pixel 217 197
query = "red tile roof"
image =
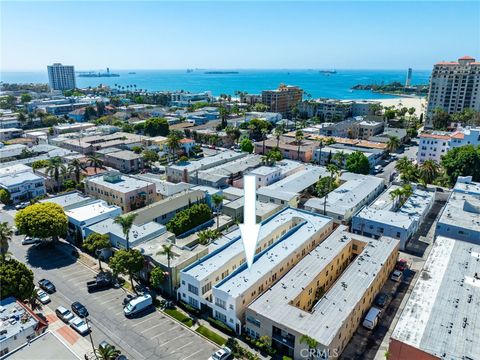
pixel 466 57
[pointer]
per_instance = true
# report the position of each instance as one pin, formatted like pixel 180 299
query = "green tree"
pixel 50 120
pixel 272 157
pixel 107 352
pixel 149 157
pixel 42 220
pixel 278 132
pixel 76 167
pixel 39 164
pixel 127 262
pixel 389 114
pixel 173 143
pixel 233 133
pixel 217 202
pixel 5 197
pixel 156 127
pixel 168 252
pixel 393 143
pixel 246 145
pixel 54 168
pixel 6 234
pixel 25 98
pixel 440 119
pixel 412 133
pixel 95 161
pixel 310 342
pixel 462 161
pixel 95 242
pixel 206 236
pixel 69 185
pixel 157 277
pixel 126 223
pixel 340 158
pixel 299 140
pixel 137 149
pixel 189 218
pixel 16 279
pixel 223 112
pixel 357 163
pixel 429 171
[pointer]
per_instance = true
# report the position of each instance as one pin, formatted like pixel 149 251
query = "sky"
pixel 236 35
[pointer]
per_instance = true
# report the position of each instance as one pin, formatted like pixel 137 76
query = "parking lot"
pixel 151 336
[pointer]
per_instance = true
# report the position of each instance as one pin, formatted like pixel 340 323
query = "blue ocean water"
pixel 252 81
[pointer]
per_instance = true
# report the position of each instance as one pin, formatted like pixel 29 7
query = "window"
pixel 220 316
pixel 221 303
pixel 193 302
pixel 193 289
pixel 253 320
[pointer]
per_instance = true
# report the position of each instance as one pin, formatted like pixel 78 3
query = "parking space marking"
pixel 181 347
pixel 195 353
pixel 153 327
pixel 174 339
pixel 141 322
pixel 169 330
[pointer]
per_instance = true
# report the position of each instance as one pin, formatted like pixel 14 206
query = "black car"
pixel 47 285
pixel 79 309
pixel 381 299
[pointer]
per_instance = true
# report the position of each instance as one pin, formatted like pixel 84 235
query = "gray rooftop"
pixel 124 155
pixel 209 162
pixel 125 185
pixel 330 312
pixel 69 200
pixel 45 346
pixel 19 178
pixel 165 188
pixel 14 318
pixel 441 315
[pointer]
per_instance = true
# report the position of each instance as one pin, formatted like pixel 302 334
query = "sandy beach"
pixel 419 103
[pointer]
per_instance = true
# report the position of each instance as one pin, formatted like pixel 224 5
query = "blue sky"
pixel 177 35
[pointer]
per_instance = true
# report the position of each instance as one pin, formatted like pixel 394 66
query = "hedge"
pixel 217 339
pixel 189 218
pixel 217 324
pixel 184 319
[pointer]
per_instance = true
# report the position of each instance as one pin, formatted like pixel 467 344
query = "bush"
pixel 189 218
pixel 5 196
pixel 217 339
pixel 217 324
pixel 189 308
pixel 17 280
pixel 184 319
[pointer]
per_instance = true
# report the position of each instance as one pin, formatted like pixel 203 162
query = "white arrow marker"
pixel 249 229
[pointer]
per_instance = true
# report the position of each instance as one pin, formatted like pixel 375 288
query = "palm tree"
pixel 173 143
pixel 264 137
pixel 168 252
pixel 333 170
pixel 278 132
pixel 54 168
pixel 107 352
pixel 429 170
pixel 402 164
pixel 95 161
pixel 217 201
pixel 393 143
pixel 311 343
pixel 205 236
pixel 340 158
pixel 33 300
pixel 76 167
pixel 298 138
pixel 6 234
pixel 320 146
pixel 126 222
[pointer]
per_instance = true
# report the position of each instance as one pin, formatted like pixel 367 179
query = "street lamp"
pixel 91 339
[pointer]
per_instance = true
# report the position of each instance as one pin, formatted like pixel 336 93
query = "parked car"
pixel 47 285
pixel 64 314
pixel 401 265
pixel 43 297
pixel 79 309
pixel 103 280
pixel 372 317
pixel 28 240
pixel 21 206
pixel 79 325
pixel 138 305
pixel 397 276
pixel 377 169
pixel 222 354
pixel 127 299
pixel 381 300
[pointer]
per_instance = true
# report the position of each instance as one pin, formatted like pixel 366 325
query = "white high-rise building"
pixel 408 81
pixel 454 86
pixel 61 77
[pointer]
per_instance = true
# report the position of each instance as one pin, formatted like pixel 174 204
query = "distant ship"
pixel 328 71
pixel 221 72
pixel 99 74
pixel 132 73
pixel 189 70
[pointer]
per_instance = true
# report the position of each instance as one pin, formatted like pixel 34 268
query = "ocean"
pixel 313 82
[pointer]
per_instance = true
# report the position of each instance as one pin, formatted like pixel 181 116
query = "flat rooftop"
pixel 330 312
pixel 91 210
pixel 165 188
pixel 19 178
pixel 441 314
pixel 348 195
pixel 125 184
pixel 124 155
pixel 12 169
pixel 209 162
pixel 230 245
pixel 69 200
pixel 14 319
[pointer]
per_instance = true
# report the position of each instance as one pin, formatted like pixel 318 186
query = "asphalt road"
pixel 151 336
pixel 409 151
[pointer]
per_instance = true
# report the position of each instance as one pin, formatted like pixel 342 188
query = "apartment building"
pixel 122 190
pixel 184 99
pixel 440 319
pixel 61 77
pixel 22 184
pixel 355 192
pixel 325 296
pixel 125 161
pixel 10 133
pixel 283 99
pixel 326 154
pixel 454 86
pixel 288 147
pixel 221 282
pixel 434 144
pixel 460 218
pixel 387 216
pixel 337 110
pixel 89 144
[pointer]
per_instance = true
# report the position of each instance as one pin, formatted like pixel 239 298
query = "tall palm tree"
pixel 393 143
pixel 429 170
pixel 76 167
pixel 333 170
pixel 107 352
pixel 217 201
pixel 340 158
pixel 264 137
pixel 173 143
pixel 95 161
pixel 299 138
pixel 126 222
pixel 56 167
pixel 402 164
pixel 6 234
pixel 168 252
pixel 320 147
pixel 311 343
pixel 278 132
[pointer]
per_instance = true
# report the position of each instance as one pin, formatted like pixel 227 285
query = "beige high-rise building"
pixel 454 86
pixel 283 99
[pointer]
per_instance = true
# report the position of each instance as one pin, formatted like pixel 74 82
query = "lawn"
pixel 211 335
pixel 179 316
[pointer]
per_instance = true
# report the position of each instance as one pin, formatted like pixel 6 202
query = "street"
pixel 151 336
pixel 409 150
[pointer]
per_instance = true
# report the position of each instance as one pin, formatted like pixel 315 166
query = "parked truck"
pixel 102 281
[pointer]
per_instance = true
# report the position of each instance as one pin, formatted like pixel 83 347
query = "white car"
pixel 79 325
pixel 43 297
pixel 397 276
pixel 28 240
pixel 222 354
pixel 64 314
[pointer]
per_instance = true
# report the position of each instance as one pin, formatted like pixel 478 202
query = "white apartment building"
pixel 454 86
pixel 433 145
pixel 283 240
pixel 22 184
pixel 61 77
